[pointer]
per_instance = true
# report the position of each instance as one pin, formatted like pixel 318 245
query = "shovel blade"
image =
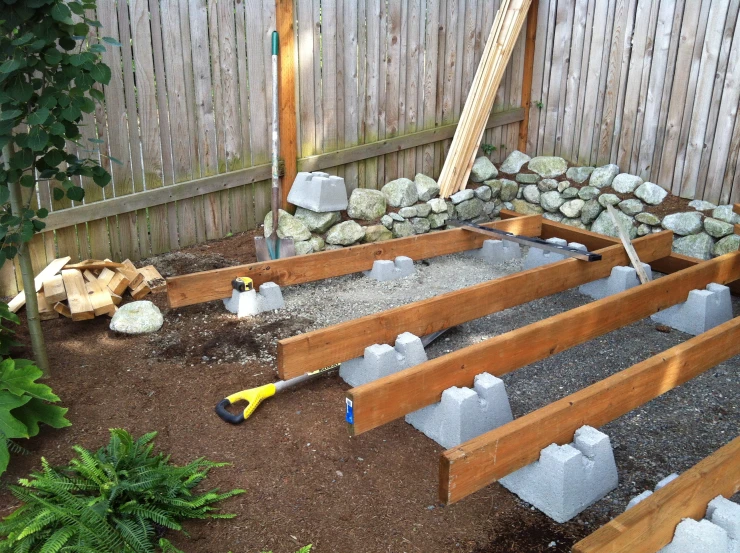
pixel 272 247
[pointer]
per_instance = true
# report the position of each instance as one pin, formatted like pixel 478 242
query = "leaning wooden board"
pixel 51 269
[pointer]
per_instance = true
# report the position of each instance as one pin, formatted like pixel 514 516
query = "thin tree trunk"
pixel 24 259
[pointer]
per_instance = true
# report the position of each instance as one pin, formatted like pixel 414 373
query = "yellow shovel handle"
pixel 253 397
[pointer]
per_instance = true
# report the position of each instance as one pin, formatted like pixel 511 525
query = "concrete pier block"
pixel 647 493
pixel 463 413
pixel 497 251
pixel 252 302
pixel 382 360
pixel 567 479
pixel 384 269
pixel 318 192
pixel 702 311
pixel 700 536
pixel 537 257
pixel 621 279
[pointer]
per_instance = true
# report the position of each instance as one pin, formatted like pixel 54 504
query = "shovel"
pixel 272 247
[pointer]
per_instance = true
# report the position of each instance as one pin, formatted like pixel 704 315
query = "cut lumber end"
pixel 154 280
pixel 141 291
pixel 63 309
pixel 118 283
pixel 54 290
pixel 93 264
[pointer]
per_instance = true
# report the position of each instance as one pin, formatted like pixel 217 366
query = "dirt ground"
pixel 307 481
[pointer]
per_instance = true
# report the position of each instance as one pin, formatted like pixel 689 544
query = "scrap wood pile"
pixel 90 288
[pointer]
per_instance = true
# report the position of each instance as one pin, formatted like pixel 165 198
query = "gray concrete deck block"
pixel 384 269
pixel 463 413
pixel 621 279
pixel 647 493
pixel 701 536
pixel 318 192
pixel 567 479
pixel 497 251
pixel 246 304
pixel 537 257
pixel 702 311
pixel 726 514
pixel 382 360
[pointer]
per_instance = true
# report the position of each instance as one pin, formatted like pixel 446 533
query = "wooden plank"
pixel 106 275
pixel 650 524
pixel 93 264
pixel 63 309
pixel 287 93
pixel 140 291
pixel 51 269
pixel 100 298
pixel 77 296
pixel 153 279
pixel 118 283
pixel 46 311
pixel 473 465
pixel 629 248
pixel 394 396
pixel 54 289
pixel 538 75
pixel 212 285
pixel 334 344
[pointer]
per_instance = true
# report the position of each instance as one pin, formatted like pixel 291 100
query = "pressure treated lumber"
pixel 334 344
pixel 487 458
pixel 106 275
pixel 77 295
pixel 213 285
pixel 100 298
pixel 118 283
pixel 394 396
pixel 285 18
pixel 46 312
pixel 624 237
pixel 54 289
pixel 650 524
pixel 51 269
pixel 63 309
pixel 529 48
pixel 93 265
pixel 736 208
pixel 153 279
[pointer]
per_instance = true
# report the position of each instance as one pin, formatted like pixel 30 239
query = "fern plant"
pixel 120 499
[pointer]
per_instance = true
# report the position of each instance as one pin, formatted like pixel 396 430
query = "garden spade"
pixel 272 247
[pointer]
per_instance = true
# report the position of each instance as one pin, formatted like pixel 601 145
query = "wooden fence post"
pixel 285 17
pixel 528 71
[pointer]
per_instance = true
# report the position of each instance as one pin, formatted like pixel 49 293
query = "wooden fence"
pixel 651 85
pixel 380 86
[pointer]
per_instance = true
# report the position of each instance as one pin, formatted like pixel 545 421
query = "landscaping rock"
pixel 579 174
pixel 437 205
pixel 569 193
pixel 366 204
pixel 631 206
pixel 426 187
pixel 603 176
pixel 726 245
pixel 531 193
pixel 508 190
pixel 508 205
pixel 527 178
pixel 469 209
pixel 463 195
pixel 557 217
pixel 492 209
pixel 514 162
pixel 138 317
pixel 483 192
pixel 548 166
pixel 717 228
pixel 625 183
pixel 377 233
pixel 551 201
pixel 317 222
pixel 604 224
pixel 701 205
pixel 400 192
pixel 572 209
pixel 333 247
pixel 437 220
pixel 401 230
pixel 422 210
pixel 450 208
pixel 563 186
pixel 396 217
pixel 303 248
pixel 421 225
pixel 644 230
pixel 697 245
pixel 483 170
pixel 590 211
pixel 525 208
pixel 725 213
pixel 610 199
pixel 545 185
pixel 387 221
pixel 345 233
pixel 651 193
pixel 648 219
pixel 683 223
pixel 588 193
pixel 317 243
pixel 288 226
pixel 574 222
pixel 495 186
pixel 407 212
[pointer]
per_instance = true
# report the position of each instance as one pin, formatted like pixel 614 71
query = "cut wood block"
pixel 106 275
pixel 51 269
pixel 77 296
pixel 63 309
pixel 118 283
pixel 54 289
pixel 112 311
pixel 131 273
pixel 116 298
pixel 154 280
pixel 46 312
pixel 89 275
pixel 100 298
pixel 140 291
pixel 93 264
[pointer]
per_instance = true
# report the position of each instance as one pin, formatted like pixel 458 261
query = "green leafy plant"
pixel 539 104
pixel 120 499
pixel 488 149
pixel 7 335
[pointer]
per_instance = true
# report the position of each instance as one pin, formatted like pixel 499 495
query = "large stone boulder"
pixel 604 224
pixel 588 193
pixel 551 201
pixel 438 205
pixel 725 213
pixel 648 219
pixel 717 228
pixel 572 209
pixel 548 166
pixel 528 178
pixel 728 244
pixel 531 193
pixel 591 210
pixel 421 225
pixel 317 243
pixel 345 233
pixel 426 187
pixel 138 317
pixel 469 209
pixel 525 208
pixel 696 245
pixel 683 223
pixel 579 174
pixel 701 205
pixel 514 162
pixel 462 196
pixel 651 193
pixel 317 222
pixel 509 190
pixel 366 204
pixel 437 220
pixel 625 183
pixel 303 248
pixel 609 199
pixel 495 186
pixel 632 206
pixel 483 169
pixel 545 185
pixel 288 226
pixel 377 233
pixel 403 229
pixel 483 192
pixel 400 193
pixel 603 176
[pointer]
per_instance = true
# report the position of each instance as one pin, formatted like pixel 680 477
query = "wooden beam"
pixel 54 289
pixel 485 459
pixel 100 298
pixel 529 46
pixel 77 295
pixel 627 243
pixel 650 524
pixel 213 285
pixel 337 343
pixel 49 271
pixel 285 19
pixel 394 396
